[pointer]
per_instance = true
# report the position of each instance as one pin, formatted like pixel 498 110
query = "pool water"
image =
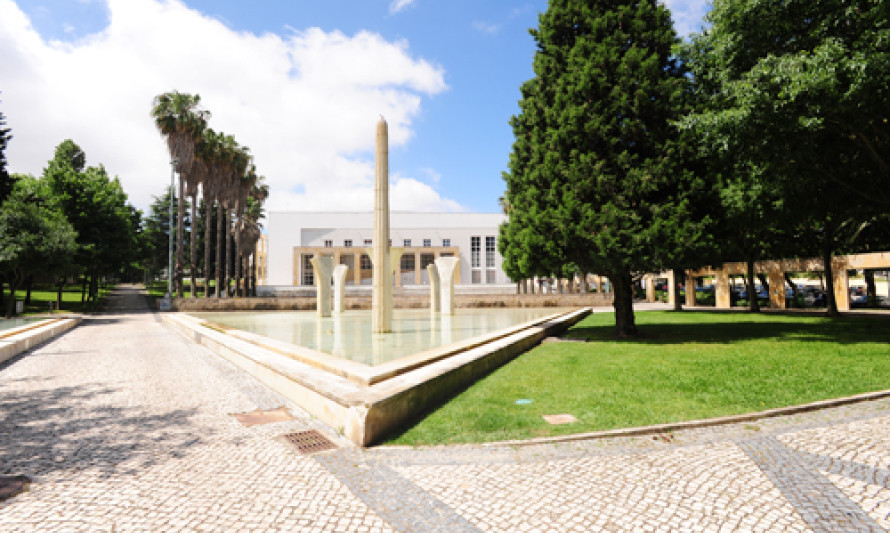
pixel 348 334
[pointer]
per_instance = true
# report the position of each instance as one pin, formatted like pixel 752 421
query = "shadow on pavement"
pixel 67 430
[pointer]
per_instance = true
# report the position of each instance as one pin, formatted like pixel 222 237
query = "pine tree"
pixel 6 181
pixel 597 179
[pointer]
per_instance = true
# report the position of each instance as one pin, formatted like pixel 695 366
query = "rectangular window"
pixel 406 243
pixel 489 276
pixel 328 244
pixel 366 262
pixel 426 260
pixel 427 243
pixel 308 274
pixel 446 242
pixel 347 243
pixel 368 242
pixel 348 260
pixel 475 252
pixel 489 252
pixel 477 276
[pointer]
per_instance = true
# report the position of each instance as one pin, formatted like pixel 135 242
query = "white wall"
pixel 287 230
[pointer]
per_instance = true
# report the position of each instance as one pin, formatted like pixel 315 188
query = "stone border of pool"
pixel 17 340
pixel 366 406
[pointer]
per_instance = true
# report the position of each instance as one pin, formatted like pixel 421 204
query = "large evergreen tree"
pixel 597 179
pixel 6 181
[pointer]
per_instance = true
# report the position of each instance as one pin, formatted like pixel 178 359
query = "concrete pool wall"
pixel 367 403
pixel 16 340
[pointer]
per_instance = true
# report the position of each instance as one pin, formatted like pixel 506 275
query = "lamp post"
pixel 173 163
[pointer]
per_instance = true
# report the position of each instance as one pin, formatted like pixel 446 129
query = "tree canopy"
pixel 598 179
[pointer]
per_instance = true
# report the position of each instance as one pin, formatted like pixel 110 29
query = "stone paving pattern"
pixel 124 425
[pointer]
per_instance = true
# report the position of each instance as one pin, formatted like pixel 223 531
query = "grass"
pixel 42 295
pixel 684 366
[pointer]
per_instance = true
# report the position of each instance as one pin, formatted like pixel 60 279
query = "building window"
pixel 490 276
pixel 427 243
pixel 446 242
pixel 347 243
pixel 426 260
pixel 368 242
pixel 408 263
pixel 348 260
pixel 477 276
pixel 328 244
pixel 489 252
pixel 366 262
pixel 406 243
pixel 475 249
pixel 308 273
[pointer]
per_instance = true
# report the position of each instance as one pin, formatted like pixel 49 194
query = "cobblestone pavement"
pixel 124 425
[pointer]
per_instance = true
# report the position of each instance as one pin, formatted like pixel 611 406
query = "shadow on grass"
pixel 717 329
pixel 72 430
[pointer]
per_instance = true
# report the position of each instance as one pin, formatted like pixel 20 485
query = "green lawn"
pixel 42 295
pixel 685 366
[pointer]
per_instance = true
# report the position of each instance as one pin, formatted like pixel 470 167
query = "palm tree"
pixel 252 229
pixel 180 119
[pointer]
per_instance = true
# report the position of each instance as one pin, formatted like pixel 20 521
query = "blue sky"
pixel 446 74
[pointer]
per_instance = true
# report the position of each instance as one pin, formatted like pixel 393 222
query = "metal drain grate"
pixel 309 441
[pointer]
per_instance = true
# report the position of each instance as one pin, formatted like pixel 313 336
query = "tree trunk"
pixel 679 276
pixel 193 246
pixel 220 235
pixel 180 215
pixel 2 295
pixel 753 304
pixel 229 255
pixel 871 290
pixel 83 289
pixel 28 285
pixel 829 282
pixel 208 226
pixel 622 288
pixel 60 285
pixel 238 258
pixel 13 285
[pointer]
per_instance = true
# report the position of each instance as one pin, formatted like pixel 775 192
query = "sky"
pixel 302 83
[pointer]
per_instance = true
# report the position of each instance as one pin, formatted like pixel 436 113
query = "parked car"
pixel 811 296
pixel 858 297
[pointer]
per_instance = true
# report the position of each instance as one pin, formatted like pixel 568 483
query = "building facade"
pixel 295 237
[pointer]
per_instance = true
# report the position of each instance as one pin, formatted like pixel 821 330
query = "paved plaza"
pixel 123 424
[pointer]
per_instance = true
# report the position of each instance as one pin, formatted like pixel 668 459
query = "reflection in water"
pixel 348 334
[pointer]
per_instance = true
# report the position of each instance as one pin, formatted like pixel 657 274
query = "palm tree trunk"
pixel 238 259
pixel 193 246
pixel 208 226
pixel 229 252
pixel 220 235
pixel 180 214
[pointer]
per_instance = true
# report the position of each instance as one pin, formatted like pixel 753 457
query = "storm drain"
pixel 309 441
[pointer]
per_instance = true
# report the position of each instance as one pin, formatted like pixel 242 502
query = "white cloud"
pixel 688 15
pixel 486 27
pixel 397 5
pixel 306 103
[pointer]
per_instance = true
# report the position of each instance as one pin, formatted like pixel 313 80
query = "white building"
pixel 294 237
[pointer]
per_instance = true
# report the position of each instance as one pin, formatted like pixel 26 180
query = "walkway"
pixel 124 425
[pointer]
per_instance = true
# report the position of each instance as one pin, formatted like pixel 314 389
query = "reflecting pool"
pixel 348 334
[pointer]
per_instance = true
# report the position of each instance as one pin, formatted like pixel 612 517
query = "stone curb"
pixel 694 424
pixel 25 338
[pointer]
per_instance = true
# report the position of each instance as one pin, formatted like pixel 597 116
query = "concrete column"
pixel 381 294
pixel 690 289
pixel 435 289
pixel 841 283
pixel 721 290
pixel 340 288
pixel 776 287
pixel 323 266
pixel 649 280
pixel 446 266
pixel 672 288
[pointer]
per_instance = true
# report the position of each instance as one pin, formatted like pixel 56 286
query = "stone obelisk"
pixel 381 295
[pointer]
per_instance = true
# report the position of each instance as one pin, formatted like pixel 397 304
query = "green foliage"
pixel 684 366
pixel 599 178
pixel 35 236
pixel 6 181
